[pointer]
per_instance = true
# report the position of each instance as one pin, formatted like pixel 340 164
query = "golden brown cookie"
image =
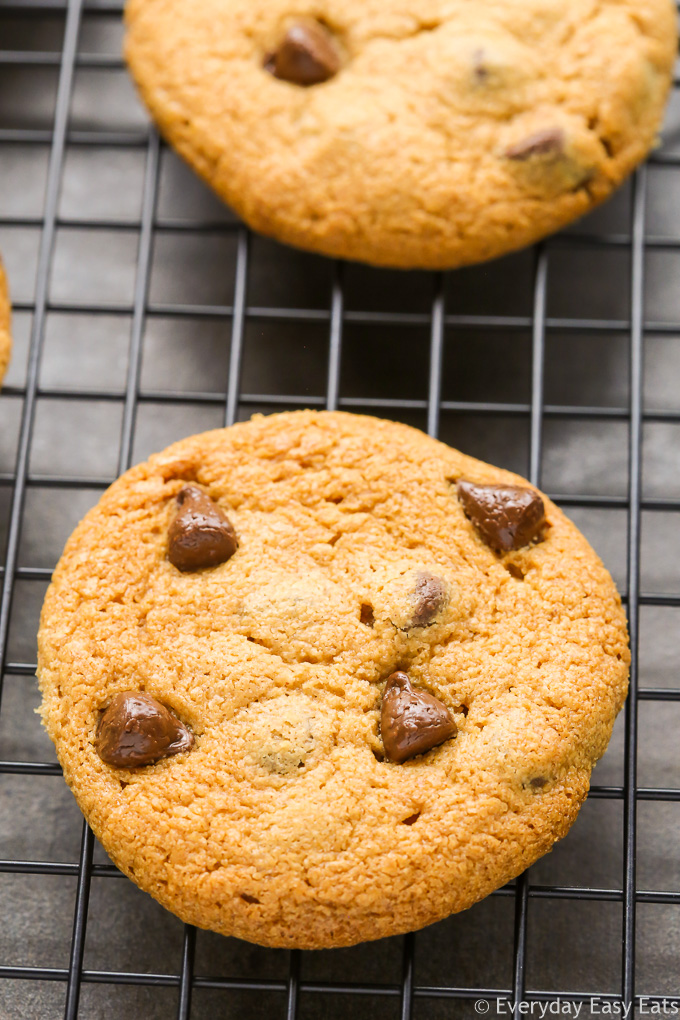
pixel 380 705
pixel 5 320
pixel 433 134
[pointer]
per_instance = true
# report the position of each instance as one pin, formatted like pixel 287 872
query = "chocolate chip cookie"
pixel 318 678
pixel 5 314
pixel 433 134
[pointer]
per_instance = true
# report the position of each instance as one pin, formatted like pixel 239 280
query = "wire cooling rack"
pixel 144 311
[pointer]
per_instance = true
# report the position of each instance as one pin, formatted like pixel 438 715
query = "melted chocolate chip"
pixel 248 898
pixel 480 71
pixel 411 720
pixel 548 142
pixel 430 595
pixel 506 516
pixel 137 730
pixel 201 534
pixel 367 616
pixel 307 55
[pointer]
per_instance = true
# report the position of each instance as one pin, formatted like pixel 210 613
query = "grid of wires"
pixel 237 403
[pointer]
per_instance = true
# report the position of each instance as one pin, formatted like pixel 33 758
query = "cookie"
pixel 5 321
pixel 433 134
pixel 367 701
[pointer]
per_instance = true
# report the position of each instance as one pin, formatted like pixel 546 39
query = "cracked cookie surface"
pixel 446 132
pixel 5 317
pixel 285 823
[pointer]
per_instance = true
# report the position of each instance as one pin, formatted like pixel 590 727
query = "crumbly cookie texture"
pixel 285 823
pixel 433 134
pixel 5 321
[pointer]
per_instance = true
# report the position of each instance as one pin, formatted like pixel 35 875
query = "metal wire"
pixel 443 330
pixel 634 542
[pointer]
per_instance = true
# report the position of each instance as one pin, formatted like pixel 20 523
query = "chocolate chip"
pixel 137 730
pixel 506 516
pixel 411 720
pixel 430 595
pixel 307 55
pixel 548 142
pixel 480 71
pixel 366 614
pixel 201 534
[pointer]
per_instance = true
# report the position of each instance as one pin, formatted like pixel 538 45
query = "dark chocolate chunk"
pixel 411 720
pixel 201 535
pixel 506 516
pixel 137 730
pixel 430 595
pixel 548 142
pixel 307 55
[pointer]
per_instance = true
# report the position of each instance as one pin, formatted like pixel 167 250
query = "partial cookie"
pixel 318 678
pixel 5 321
pixel 433 134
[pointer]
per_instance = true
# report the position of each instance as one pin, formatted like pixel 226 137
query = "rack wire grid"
pixel 145 311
